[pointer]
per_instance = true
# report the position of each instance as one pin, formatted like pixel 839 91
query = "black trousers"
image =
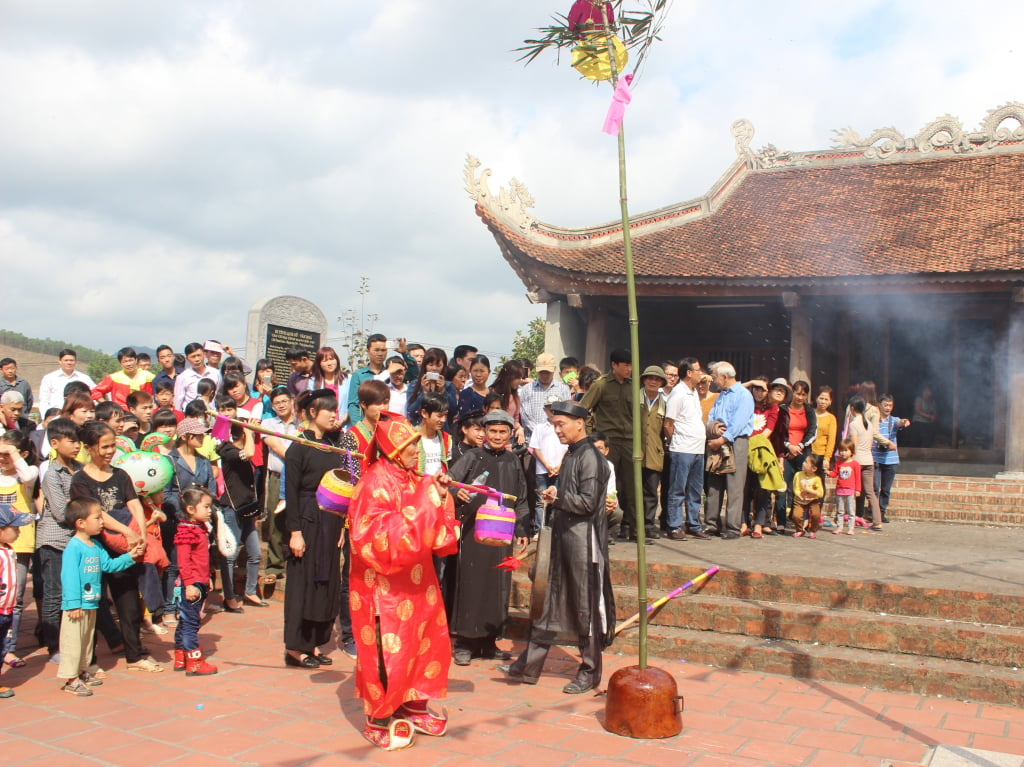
pixel 531 661
pixel 50 616
pixel 124 588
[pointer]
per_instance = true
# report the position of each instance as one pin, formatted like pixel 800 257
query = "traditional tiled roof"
pixel 939 208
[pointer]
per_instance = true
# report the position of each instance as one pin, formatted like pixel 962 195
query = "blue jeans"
pixel 686 485
pixel 544 481
pixel 247 535
pixel 885 473
pixel 186 635
pixel 10 637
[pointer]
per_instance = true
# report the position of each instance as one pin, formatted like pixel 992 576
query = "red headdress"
pixel 393 434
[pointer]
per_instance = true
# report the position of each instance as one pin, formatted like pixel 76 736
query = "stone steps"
pixel 958 644
pixel 961 500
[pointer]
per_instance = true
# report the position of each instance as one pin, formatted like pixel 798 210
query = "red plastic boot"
pixel 179 659
pixel 195 665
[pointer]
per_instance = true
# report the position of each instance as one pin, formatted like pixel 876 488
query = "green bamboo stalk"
pixel 639 526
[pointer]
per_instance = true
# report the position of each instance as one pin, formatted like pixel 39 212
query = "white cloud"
pixel 172 163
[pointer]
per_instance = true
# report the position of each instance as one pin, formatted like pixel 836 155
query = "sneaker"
pixel 55 659
pixel 153 628
pixel 827 523
pixel 6 692
pixel 77 687
pixel 349 648
pixel 89 679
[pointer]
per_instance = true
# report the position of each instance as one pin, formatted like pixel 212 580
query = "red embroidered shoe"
pixel 392 737
pixel 417 712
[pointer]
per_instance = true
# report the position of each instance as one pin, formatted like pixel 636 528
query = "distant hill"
pixel 38 356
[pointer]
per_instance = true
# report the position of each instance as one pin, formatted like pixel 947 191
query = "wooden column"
pixel 563 335
pixel 799 339
pixel 597 338
pixel 1014 382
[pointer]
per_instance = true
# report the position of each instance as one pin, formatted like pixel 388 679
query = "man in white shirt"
pixel 282 422
pixel 51 388
pixel 397 387
pixel 685 430
pixel 187 380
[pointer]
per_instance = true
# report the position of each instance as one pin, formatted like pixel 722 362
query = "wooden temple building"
pixel 898 259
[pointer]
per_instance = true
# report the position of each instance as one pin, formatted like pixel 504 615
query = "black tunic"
pixel 477 593
pixel 578 574
pixel 312 584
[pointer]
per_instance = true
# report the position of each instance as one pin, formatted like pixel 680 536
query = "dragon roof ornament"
pixel 944 132
pixel 510 205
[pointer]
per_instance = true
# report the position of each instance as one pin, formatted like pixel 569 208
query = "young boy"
pixel 549 452
pixel 10 521
pixel 886 460
pixel 163 396
pixel 611 501
pixel 140 405
pixel 112 414
pixel 436 445
pixel 53 532
pixel 81 577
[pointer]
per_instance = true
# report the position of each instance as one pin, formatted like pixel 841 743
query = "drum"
pixel 495 524
pixel 334 495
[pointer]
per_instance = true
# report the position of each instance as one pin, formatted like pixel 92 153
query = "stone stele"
pixel 280 322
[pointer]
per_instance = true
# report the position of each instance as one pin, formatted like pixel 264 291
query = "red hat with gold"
pixel 393 434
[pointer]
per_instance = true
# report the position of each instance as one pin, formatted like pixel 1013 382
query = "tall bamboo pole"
pixel 639 526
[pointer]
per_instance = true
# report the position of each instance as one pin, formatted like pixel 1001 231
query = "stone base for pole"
pixel 643 703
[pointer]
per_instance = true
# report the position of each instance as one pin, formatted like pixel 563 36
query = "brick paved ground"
pixel 258 712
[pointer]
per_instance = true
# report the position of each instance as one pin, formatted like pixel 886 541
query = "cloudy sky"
pixel 164 165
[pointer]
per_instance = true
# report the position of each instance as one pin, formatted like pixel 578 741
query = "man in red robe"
pixel 398 521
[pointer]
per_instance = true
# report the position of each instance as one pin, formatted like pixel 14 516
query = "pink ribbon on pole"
pixel 617 109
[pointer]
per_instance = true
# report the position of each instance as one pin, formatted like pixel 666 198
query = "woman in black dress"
pixel 313 582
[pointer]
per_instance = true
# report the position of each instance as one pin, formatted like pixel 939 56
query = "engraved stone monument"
pixel 278 323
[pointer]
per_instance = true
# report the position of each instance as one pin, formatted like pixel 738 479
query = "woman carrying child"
pixel 112 488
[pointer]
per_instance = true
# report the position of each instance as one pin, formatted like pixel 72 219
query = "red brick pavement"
pixel 256 711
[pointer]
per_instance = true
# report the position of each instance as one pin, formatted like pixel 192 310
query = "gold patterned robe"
pixel 397 522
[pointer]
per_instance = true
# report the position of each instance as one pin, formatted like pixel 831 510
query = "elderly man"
pixel 732 418
pixel 12 412
pixel 11 381
pixel 578 600
pixel 51 388
pixel 533 395
pixel 652 415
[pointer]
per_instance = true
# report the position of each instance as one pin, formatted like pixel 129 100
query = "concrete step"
pixel 869 596
pixel 925 637
pixel 931 637
pixel 895 672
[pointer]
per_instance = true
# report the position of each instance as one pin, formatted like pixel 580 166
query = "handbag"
pixel 226 543
pixel 247 510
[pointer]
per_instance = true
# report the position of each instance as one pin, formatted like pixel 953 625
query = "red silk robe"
pixel 397 522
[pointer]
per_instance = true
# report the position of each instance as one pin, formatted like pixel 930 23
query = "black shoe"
pixel 611 540
pixel 649 541
pixel 885 519
pixel 730 536
pixel 699 535
pixel 237 610
pixel 655 534
pixel 323 660
pixel 711 532
pixel 515 673
pixel 462 657
pixel 493 653
pixel 308 662
pixel 624 534
pixel 577 686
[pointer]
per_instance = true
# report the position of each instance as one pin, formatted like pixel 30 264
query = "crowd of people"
pixel 372 495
